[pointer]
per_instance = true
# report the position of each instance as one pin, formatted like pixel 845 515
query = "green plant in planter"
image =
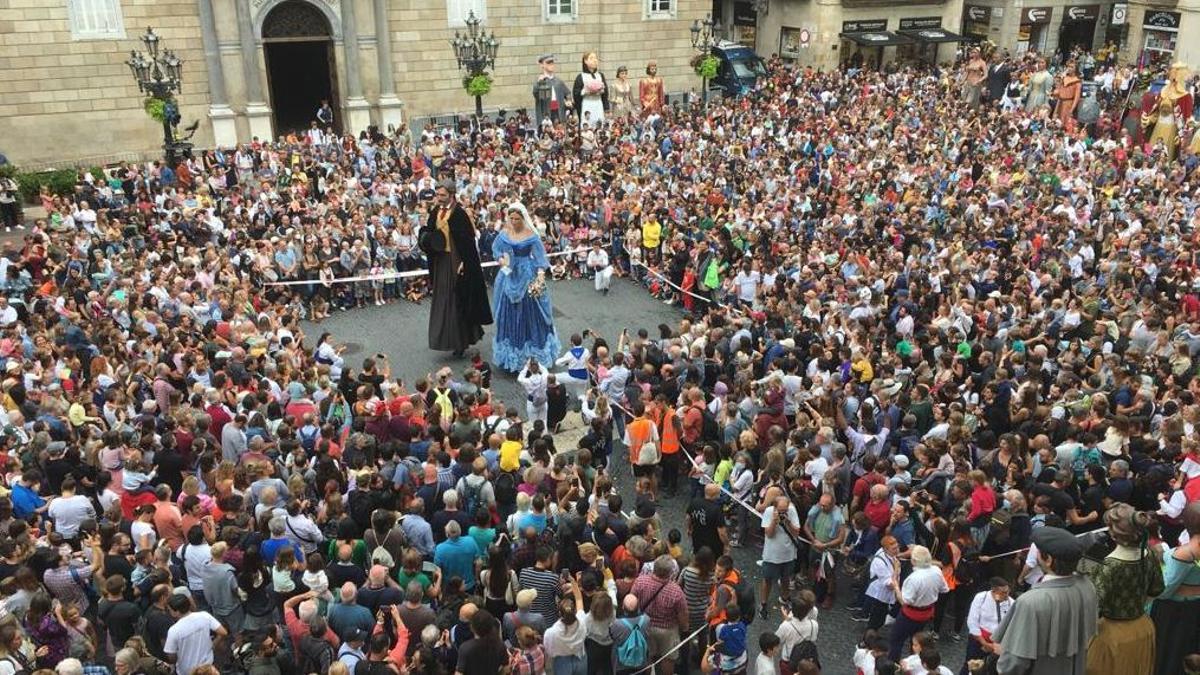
pixel 156 108
pixel 59 181
pixel 478 85
pixel 706 67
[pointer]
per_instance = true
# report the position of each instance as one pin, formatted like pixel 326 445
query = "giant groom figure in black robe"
pixel 460 307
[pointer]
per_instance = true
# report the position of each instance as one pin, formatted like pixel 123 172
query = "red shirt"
pixel 862 486
pixel 219 418
pixel 983 502
pixel 693 424
pixel 879 513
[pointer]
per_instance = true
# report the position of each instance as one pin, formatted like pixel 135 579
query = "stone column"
pixel 358 111
pixel 391 110
pixel 257 110
pixel 224 128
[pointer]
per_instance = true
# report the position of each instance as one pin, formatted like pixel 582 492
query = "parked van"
pixel 739 70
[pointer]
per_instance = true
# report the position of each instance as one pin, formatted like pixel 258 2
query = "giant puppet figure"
pixel 460 306
pixel 1164 114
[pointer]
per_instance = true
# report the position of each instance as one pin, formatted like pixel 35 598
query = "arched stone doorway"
pixel 298 43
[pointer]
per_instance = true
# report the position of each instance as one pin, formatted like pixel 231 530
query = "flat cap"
pixel 1058 543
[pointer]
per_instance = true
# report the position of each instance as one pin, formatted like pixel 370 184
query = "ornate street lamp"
pixel 159 75
pixel 475 51
pixel 704 37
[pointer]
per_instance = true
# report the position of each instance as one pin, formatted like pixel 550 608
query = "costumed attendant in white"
pixel 597 262
pixel 533 378
pixel 575 361
pixel 328 354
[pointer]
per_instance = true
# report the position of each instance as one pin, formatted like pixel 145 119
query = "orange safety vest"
pixel 730 582
pixel 639 433
pixel 669 431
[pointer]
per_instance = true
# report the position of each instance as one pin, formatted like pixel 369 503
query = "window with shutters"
pixel 96 19
pixel 660 9
pixel 560 11
pixel 457 11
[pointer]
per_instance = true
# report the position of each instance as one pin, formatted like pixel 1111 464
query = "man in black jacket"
pixel 998 77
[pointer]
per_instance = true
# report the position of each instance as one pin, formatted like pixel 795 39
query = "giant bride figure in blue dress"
pixel 521 300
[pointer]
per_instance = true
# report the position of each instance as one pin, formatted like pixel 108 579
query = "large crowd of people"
pixel 939 362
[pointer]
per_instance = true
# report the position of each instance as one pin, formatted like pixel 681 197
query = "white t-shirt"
pixel 764 665
pixel 779 548
pixel 69 513
pixel 195 558
pixel 139 529
pixel 190 640
pixel 864 661
pixel 747 284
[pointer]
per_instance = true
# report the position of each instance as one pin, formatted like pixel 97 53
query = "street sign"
pixel 1120 14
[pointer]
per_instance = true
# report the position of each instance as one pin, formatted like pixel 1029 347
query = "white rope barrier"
pixel 400 275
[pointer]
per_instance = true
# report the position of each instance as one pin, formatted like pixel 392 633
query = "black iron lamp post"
pixel 475 52
pixel 704 38
pixel 159 74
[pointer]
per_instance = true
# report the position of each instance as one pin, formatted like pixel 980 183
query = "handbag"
pixel 648 454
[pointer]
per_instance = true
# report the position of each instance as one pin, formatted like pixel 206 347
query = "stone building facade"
pixel 253 68
pixel 827 33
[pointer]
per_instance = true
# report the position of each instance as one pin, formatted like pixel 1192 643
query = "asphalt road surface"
pixel 399 331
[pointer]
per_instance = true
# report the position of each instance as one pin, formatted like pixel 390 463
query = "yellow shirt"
pixel 510 455
pixel 77 415
pixel 651 234
pixel 865 372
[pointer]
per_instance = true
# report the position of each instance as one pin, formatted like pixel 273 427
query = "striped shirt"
pixel 549 589
pixel 697 592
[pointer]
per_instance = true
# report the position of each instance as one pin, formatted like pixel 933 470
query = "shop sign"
pixel 921 23
pixel 744 14
pixel 1120 14
pixel 979 13
pixel 1161 20
pixel 1036 15
pixel 865 25
pixel 1078 13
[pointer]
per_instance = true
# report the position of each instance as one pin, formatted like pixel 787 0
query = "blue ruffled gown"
pixel 524 324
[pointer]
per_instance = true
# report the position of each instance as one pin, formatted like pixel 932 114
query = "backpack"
pixel 744 592
pixel 178 566
pixel 471 496
pixel 803 650
pixel 19 667
pixel 633 652
pixel 505 488
pixel 309 441
pixel 441 398
pixel 710 431
pixel 316 655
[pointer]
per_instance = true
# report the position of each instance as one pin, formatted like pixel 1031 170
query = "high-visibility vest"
pixel 669 431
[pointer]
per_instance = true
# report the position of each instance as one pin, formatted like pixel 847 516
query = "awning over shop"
pixel 934 35
pixel 877 38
